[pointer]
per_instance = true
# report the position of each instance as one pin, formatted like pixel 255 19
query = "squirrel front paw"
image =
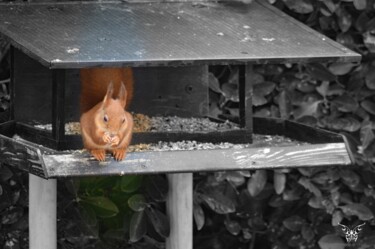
pixel 119 154
pixel 107 138
pixel 115 141
pixel 98 154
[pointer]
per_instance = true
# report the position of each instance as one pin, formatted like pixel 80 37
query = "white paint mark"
pixel 72 50
pixel 268 39
pixel 266 150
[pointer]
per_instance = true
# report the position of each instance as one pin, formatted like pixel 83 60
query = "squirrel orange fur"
pixel 105 124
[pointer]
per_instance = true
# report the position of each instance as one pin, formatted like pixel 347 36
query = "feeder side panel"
pixel 32 90
pixel 180 91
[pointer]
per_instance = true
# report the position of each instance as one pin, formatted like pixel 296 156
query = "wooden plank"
pixel 58 104
pixel 22 156
pixel 42 213
pixel 81 164
pixel 180 211
pixel 170 91
pixel 166 34
pixel 32 89
pixel 294 130
pixel 74 142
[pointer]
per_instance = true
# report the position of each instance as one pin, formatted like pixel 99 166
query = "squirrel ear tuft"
pixel 122 95
pixel 109 93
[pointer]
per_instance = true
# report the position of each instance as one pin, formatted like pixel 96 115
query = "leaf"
pixel 285 105
pixel 264 88
pixel 88 215
pixel 305 182
pixel 291 194
pixel 218 202
pixel 305 87
pixel 72 185
pixel 214 84
pixel 344 19
pixel 369 106
pixel 138 227
pixel 102 206
pixel 341 68
pixel 360 4
pixel 337 217
pixel 199 216
pixel 331 241
pixel 331 6
pixel 294 223
pixel 307 233
pixel 367 134
pixel 323 88
pixel 345 103
pixel 306 109
pixel 300 6
pixel 137 202
pixel 258 100
pixel 369 41
pixel 370 78
pixel 233 227
pixel 5 173
pixel 157 187
pixel 130 183
pixel 230 92
pixel 319 72
pixel 235 177
pixel 159 221
pixel 11 216
pixel 346 39
pixel 349 124
pixel 359 210
pixel 335 89
pixel 257 182
pixel 279 180
pixel 316 202
pixel 263 112
pixel 256 78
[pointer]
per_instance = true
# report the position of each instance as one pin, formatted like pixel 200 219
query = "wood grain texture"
pixel 180 211
pixel 22 156
pixel 318 155
pixel 42 213
pixel 76 35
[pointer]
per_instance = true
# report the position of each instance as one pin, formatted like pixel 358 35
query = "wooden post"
pixel 180 211
pixel 42 213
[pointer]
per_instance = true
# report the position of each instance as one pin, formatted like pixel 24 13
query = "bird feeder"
pixel 170 45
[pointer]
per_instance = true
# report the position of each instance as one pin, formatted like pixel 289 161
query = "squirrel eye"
pixel 105 118
pixel 123 120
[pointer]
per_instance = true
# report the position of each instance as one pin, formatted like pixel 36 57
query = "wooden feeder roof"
pixel 87 34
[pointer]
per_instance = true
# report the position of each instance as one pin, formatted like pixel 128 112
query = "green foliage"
pixel 115 212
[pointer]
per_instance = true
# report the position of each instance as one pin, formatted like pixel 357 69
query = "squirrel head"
pixel 111 115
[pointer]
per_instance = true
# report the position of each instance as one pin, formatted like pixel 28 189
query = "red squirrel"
pixel 105 124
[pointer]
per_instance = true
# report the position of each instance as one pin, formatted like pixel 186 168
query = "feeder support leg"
pixel 42 213
pixel 180 211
